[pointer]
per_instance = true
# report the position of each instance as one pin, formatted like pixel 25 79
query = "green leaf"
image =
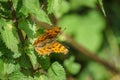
pixel 42 16
pixel 76 4
pixel 102 7
pixel 58 7
pixel 41 77
pixel 1 69
pixel 28 27
pixel 30 6
pixel 18 75
pixel 72 66
pixel 10 66
pixel 5 9
pixel 24 62
pixel 7 67
pixel 56 72
pixel 44 62
pixel 87 29
pixel 32 56
pixel 15 3
pixel 4 51
pixel 54 6
pixel 2 47
pixel 9 37
pixel 33 7
pixel 0 53
pixel 94 71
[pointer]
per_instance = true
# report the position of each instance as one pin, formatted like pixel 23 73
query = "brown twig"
pixel 89 54
pixel 82 49
pixel 15 21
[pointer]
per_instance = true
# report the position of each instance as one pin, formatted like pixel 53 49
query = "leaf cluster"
pixel 84 20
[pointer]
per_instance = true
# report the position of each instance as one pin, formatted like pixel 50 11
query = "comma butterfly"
pixel 47 43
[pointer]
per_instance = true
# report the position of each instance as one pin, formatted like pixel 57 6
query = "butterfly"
pixel 47 43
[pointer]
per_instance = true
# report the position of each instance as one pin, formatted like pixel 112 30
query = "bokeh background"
pixel 94 24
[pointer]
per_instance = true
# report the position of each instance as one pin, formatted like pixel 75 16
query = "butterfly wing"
pixel 44 50
pixel 58 48
pixel 40 39
pixel 52 33
pixel 47 44
pixel 49 34
pixel 51 47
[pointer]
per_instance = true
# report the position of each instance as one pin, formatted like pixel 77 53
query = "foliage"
pixel 8 36
pixel 71 66
pixel 89 22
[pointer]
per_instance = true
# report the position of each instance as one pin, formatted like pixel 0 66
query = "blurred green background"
pixel 95 24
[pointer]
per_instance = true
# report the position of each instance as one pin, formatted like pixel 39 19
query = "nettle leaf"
pixel 44 61
pixel 87 30
pixel 1 69
pixel 33 7
pixel 4 9
pixel 41 77
pixel 58 7
pixel 2 47
pixel 9 37
pixel 54 6
pixel 29 6
pixel 4 51
pixel 56 72
pixel 7 67
pixel 24 62
pixel 18 75
pixel 32 56
pixel 42 16
pixel 72 66
pixel 28 27
pixel 10 66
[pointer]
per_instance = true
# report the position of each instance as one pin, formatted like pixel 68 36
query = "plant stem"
pixel 15 21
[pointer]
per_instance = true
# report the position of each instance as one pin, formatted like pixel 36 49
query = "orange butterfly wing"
pixel 52 33
pixel 47 44
pixel 49 34
pixel 58 47
pixel 51 47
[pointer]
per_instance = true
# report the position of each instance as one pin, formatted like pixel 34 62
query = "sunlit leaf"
pixel 32 56
pixel 7 67
pixel 41 77
pixel 72 66
pixel 57 7
pixel 33 7
pixel 56 72
pixel 10 38
pixel 18 75
pixel 76 4
pixel 28 27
